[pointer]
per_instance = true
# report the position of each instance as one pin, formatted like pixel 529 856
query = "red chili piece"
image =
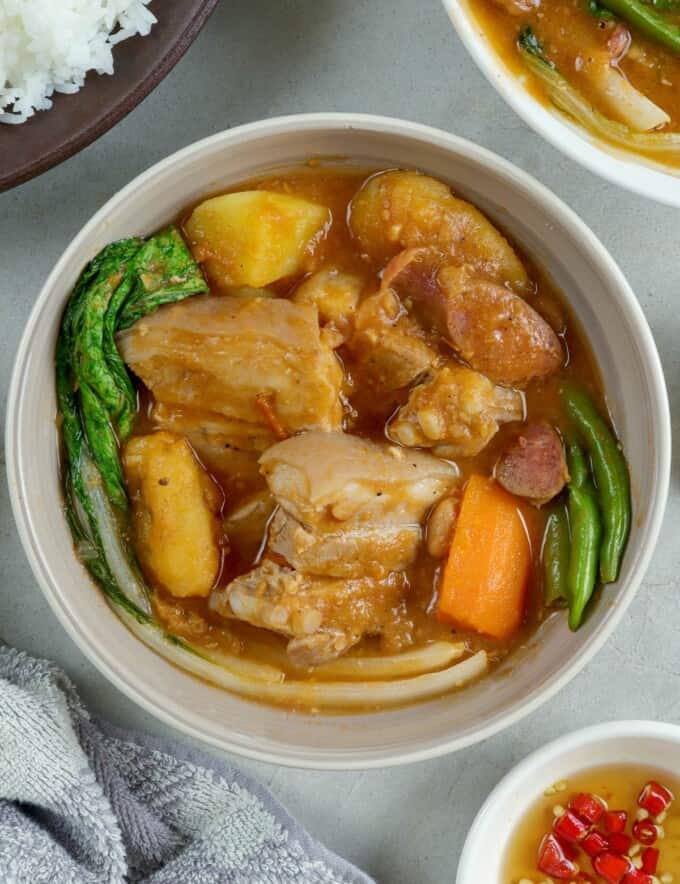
pixel 570 828
pixel 594 843
pixel 650 860
pixel 612 867
pixel 588 807
pixel 619 842
pixel 645 832
pixel 655 798
pixel 552 860
pixel 571 851
pixel 636 877
pixel 615 821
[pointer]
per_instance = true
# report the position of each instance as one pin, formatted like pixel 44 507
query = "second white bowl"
pixel 621 167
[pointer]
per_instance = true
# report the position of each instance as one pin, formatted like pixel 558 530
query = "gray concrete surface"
pixel 398 57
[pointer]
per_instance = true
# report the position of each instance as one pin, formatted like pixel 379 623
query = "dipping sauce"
pixel 609 825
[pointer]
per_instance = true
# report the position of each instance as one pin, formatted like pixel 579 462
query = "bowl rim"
pixel 617 166
pixel 515 778
pixel 596 251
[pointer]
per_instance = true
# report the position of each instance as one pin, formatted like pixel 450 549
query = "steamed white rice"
pixel 48 46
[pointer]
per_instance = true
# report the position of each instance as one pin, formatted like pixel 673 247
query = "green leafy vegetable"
pixel 97 400
pixel 165 271
pixel 530 45
pixel 568 99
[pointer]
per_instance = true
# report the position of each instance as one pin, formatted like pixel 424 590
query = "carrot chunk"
pixel 484 584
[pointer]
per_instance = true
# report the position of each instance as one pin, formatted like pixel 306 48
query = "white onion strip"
pixel 436 655
pixel 117 557
pixel 317 695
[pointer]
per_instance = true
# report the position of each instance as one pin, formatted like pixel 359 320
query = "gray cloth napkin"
pixel 82 802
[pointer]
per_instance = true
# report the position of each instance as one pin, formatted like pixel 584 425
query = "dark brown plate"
pixel 74 121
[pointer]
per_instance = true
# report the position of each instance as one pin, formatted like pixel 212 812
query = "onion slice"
pixel 308 694
pixel 436 655
pixel 118 558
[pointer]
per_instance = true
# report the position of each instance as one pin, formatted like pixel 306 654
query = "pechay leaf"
pixel 569 100
pixel 165 271
pixel 97 400
pixel 530 45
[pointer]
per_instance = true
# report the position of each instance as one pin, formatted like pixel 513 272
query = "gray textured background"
pixel 258 58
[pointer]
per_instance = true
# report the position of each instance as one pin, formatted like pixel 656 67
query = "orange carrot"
pixel 483 587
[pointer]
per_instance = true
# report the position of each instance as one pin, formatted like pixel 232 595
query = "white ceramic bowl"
pixel 632 172
pixel 646 743
pixel 606 307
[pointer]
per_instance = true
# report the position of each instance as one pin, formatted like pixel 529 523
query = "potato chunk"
pixel 254 237
pixel 174 514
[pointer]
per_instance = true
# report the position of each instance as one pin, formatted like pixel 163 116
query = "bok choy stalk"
pixel 98 403
pixel 568 99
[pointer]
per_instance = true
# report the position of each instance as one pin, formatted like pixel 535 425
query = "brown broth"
pixel 414 623
pixel 564 27
pixel 620 786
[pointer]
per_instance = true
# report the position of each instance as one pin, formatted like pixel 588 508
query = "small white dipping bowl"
pixel 599 296
pixel 645 743
pixel 628 170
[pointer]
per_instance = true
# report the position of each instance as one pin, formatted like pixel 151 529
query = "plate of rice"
pixel 71 70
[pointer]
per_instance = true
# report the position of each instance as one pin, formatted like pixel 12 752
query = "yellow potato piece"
pixel 254 237
pixel 174 514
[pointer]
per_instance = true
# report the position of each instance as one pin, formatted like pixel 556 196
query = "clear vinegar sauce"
pixel 620 787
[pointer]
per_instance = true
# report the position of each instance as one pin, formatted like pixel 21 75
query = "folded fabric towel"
pixel 82 802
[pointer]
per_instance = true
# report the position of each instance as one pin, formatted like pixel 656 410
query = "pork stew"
pixel 332 441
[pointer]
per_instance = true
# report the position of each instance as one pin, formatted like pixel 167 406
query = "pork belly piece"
pixel 226 355
pixel 534 465
pixel 494 330
pixel 228 448
pixel 323 617
pixel 353 548
pixel 457 412
pixel 389 347
pixel 175 508
pixel 335 295
pixel 325 479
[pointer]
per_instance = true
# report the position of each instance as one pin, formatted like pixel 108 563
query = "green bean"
pixel 586 535
pixel 611 477
pixel 595 8
pixel 647 20
pixel 556 556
